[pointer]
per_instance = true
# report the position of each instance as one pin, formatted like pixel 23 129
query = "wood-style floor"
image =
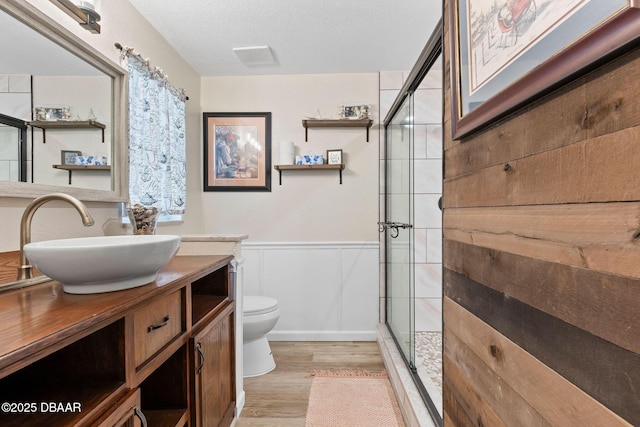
pixel 280 398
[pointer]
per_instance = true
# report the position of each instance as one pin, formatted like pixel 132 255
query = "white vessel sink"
pixel 90 265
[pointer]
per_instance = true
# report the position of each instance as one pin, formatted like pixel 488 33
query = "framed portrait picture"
pixel 237 151
pixel 334 157
pixel 506 53
pixel 68 157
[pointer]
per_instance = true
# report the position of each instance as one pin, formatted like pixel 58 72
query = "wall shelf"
pixel 66 124
pixel 281 168
pixel 72 168
pixel 335 123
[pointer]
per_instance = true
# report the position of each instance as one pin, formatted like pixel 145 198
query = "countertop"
pixel 44 316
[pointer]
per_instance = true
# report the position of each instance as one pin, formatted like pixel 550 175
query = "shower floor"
pixel 429 364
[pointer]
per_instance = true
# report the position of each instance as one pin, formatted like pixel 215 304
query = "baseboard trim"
pixel 342 244
pixel 322 336
pixel 240 403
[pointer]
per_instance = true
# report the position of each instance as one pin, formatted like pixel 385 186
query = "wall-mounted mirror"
pixel 70 99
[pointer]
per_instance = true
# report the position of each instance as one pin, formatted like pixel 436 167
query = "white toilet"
pixel 259 316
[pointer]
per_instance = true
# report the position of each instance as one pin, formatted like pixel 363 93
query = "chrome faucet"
pixel 25 271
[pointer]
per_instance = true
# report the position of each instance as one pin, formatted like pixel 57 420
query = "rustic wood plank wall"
pixel 542 258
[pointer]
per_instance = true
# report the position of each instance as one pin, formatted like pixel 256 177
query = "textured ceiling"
pixel 306 36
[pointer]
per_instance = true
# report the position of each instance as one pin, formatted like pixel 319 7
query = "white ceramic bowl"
pixel 89 265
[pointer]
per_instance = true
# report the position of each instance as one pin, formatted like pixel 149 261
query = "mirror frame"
pixel 38 21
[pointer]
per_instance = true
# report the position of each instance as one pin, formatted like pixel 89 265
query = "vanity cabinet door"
pixel 213 386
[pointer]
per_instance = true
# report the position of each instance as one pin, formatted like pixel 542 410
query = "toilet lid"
pixel 259 305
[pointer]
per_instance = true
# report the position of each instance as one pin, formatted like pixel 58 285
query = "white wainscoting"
pixel 326 291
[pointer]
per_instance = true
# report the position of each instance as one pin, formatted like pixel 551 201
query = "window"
pixel 157 154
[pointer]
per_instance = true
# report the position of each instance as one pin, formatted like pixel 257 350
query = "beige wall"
pixel 121 23
pixel 308 206
pixel 82 94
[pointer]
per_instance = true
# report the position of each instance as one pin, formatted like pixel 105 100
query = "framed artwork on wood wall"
pixel 505 53
pixel 237 151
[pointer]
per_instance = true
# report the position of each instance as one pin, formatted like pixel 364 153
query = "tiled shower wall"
pixel 428 189
pixel 15 101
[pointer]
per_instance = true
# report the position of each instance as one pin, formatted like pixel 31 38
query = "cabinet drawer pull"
pixel 165 322
pixel 199 350
pixel 138 413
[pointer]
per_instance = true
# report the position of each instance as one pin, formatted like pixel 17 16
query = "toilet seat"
pixel 254 305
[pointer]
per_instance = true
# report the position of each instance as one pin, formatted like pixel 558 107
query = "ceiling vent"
pixel 255 55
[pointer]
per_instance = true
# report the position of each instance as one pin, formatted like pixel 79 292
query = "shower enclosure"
pixel 13 149
pixel 412 223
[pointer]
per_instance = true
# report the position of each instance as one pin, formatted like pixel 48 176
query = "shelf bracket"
pixel 335 123
pixel 89 124
pixel 280 168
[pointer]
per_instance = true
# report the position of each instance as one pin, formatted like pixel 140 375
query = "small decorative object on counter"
pixel 143 219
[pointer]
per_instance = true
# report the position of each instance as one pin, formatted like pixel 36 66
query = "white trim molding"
pixel 326 291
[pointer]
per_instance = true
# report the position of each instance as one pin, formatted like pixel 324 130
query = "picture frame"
pixel 354 111
pixel 68 157
pixel 498 68
pixel 237 151
pixel 334 157
pixel 50 114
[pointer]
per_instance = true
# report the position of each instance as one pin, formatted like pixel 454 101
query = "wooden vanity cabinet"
pixel 211 347
pixel 213 391
pixel 165 398
pixel 158 355
pixel 126 413
pixel 156 324
pixel 87 377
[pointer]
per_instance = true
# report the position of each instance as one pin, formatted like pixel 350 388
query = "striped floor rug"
pixel 352 399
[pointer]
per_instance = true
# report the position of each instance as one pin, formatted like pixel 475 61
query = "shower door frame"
pixel 430 54
pixel 21 128
pixel 399 254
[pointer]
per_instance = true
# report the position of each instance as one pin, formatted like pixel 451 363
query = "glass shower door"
pixel 398 232
pixel 13 148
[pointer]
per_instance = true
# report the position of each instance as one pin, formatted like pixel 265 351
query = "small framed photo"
pixel 50 114
pixel 334 157
pixel 69 157
pixel 354 111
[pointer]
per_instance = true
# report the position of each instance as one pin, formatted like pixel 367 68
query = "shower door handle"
pixel 394 226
